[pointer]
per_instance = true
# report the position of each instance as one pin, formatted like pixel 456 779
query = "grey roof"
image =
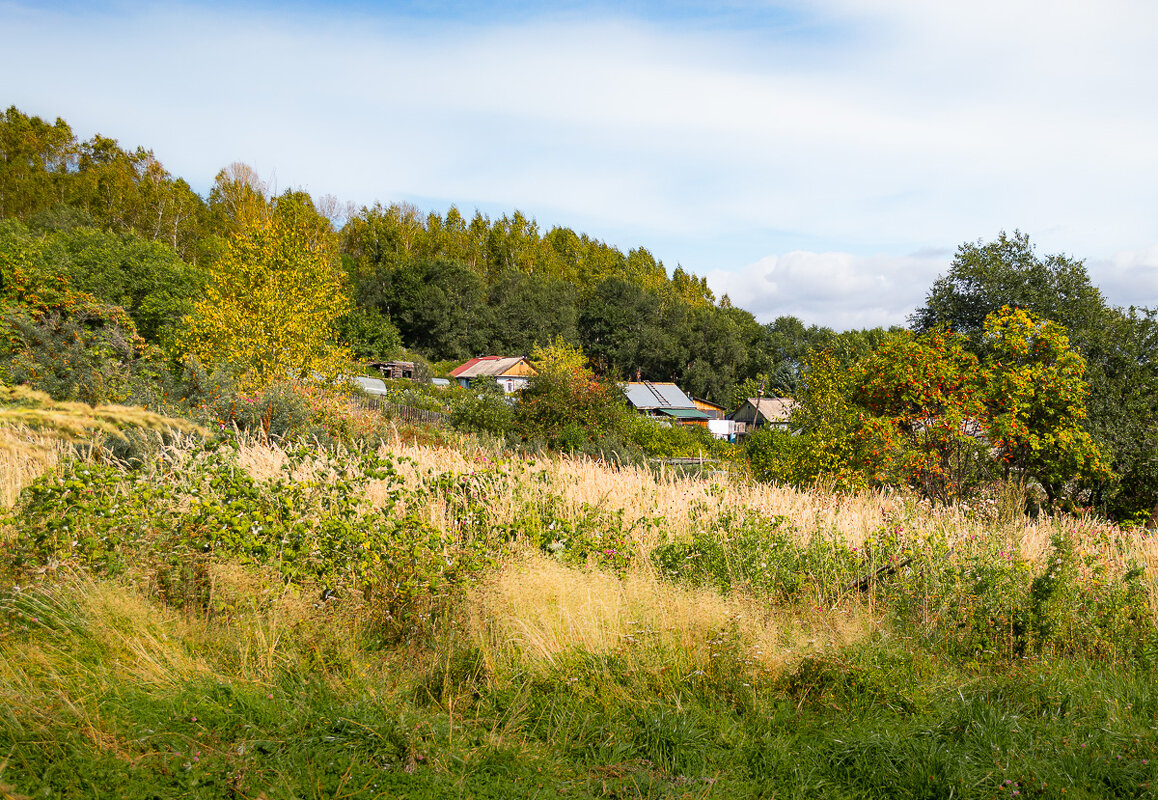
pixel 370 385
pixel 440 381
pixel 647 396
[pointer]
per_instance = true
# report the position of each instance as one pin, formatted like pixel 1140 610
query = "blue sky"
pixel 820 158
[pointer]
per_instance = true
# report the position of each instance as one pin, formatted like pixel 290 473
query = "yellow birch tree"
pixel 273 299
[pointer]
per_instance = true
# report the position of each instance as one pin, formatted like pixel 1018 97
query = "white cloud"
pixel 835 289
pixel 891 126
pixel 1128 278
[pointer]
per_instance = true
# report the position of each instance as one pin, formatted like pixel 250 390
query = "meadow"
pixel 433 617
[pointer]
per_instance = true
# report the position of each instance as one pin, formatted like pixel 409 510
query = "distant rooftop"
pixel 492 366
pixel 650 396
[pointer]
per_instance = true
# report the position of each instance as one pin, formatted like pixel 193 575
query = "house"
pixel 512 373
pixel 713 410
pixel 664 401
pixel 759 412
pixel 394 369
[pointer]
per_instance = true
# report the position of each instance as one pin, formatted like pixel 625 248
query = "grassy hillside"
pixel 238 619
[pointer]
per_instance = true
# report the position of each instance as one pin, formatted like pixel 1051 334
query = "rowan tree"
pixel 924 415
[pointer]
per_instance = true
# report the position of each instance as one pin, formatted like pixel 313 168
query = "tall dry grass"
pixel 24 456
pixel 535 609
pixel 573 486
pixel 537 612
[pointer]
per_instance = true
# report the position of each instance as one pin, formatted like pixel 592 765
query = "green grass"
pixel 883 718
pixel 137 663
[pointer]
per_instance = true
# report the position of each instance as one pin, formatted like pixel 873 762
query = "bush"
pixel 569 405
pixel 319 534
pixel 482 413
pixel 775 455
pixel 281 411
pixel 71 346
pixel 659 440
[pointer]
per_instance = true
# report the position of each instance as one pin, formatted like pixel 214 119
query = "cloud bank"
pixel 799 160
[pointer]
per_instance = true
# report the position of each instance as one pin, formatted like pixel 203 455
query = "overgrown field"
pixel 235 619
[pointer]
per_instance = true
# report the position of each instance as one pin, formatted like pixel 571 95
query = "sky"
pixel 823 159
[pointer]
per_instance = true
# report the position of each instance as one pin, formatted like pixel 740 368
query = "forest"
pixel 110 265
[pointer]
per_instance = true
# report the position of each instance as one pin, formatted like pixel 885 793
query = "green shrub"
pixel 764 556
pixel 658 440
pixel 482 413
pixel 319 533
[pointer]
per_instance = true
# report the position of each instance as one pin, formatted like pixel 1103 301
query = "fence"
pixel 404 412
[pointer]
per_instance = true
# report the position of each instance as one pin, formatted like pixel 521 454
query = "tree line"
pixel 121 232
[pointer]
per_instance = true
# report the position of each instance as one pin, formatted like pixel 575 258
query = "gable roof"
pixel 772 409
pixel 494 366
pixel 648 396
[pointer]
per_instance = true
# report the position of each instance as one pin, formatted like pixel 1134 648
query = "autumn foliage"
pixel 925 410
pixel 923 415
pixel 274 297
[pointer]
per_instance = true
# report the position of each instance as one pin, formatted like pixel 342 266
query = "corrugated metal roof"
pixel 647 396
pixel 684 413
pixel 486 365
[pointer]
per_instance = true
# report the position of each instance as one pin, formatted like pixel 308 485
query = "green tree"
pixel 828 426
pixel 984 277
pixel 1122 369
pixel 439 305
pixel 626 329
pixel 370 335
pixel 530 309
pixel 717 350
pixel 36 159
pixel 1035 392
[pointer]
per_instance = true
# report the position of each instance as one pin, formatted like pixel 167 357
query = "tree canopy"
pixel 273 300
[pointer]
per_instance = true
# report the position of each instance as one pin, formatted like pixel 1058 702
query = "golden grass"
pixel 573 486
pixel 116 633
pixel 24 455
pixel 537 611
pixel 20 405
